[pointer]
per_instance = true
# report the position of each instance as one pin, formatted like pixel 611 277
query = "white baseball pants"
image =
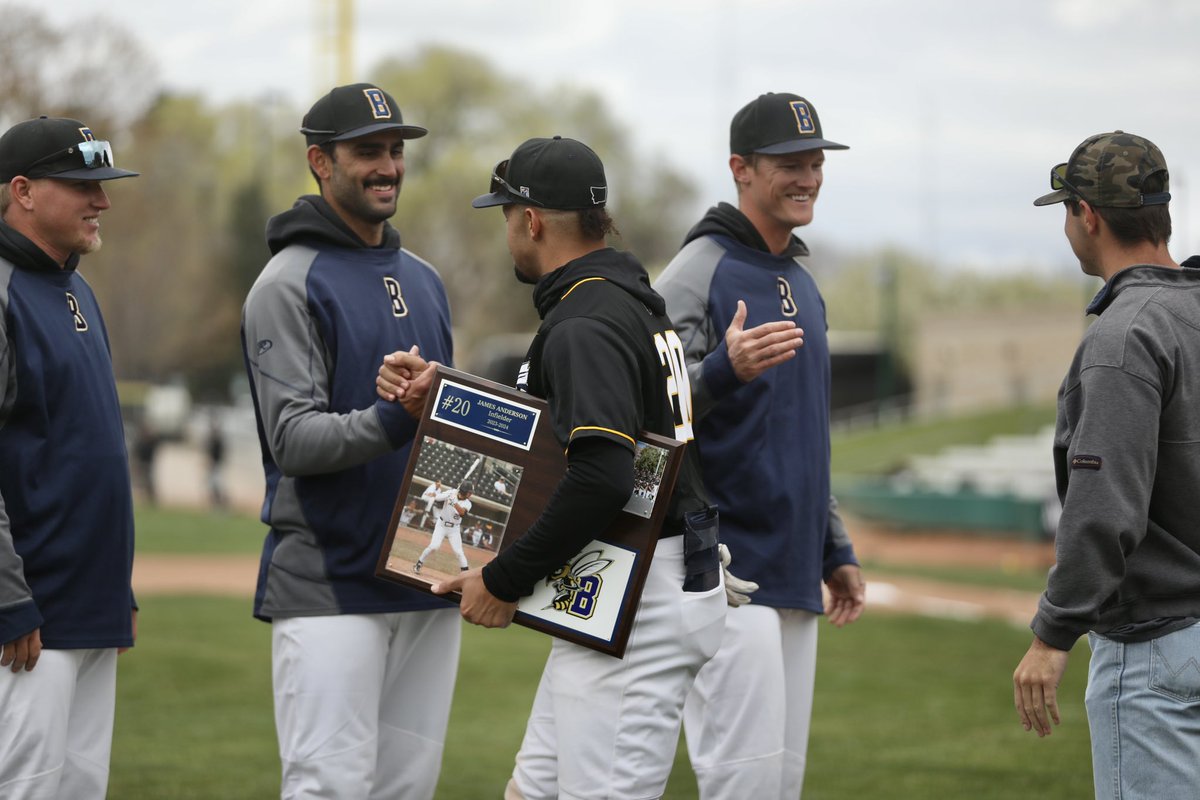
pixel 604 728
pixel 441 532
pixel 362 702
pixel 747 717
pixel 56 725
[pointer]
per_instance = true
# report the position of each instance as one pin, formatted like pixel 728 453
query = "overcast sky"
pixel 955 110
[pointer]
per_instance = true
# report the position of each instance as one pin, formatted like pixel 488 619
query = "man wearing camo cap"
pixel 1127 457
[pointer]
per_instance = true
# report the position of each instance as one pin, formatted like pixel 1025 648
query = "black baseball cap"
pixel 556 173
pixel 466 487
pixel 778 123
pixel 55 147
pixel 348 112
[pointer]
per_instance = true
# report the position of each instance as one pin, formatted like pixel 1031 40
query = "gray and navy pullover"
pixel 66 510
pixel 764 445
pixel 1127 459
pixel 315 328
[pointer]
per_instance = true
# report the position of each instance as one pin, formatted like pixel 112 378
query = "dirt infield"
pixel 438 565
pixel 236 575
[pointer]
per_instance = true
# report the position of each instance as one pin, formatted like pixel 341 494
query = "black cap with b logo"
pixel 778 123
pixel 56 147
pixel 348 112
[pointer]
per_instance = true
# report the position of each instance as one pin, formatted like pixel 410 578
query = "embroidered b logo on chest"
pixel 73 304
pixel 399 308
pixel 787 305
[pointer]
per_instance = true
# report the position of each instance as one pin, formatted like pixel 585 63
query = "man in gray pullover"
pixel 1127 459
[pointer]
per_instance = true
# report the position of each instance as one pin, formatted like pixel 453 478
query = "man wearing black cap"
pixel 363 669
pixel 66 509
pixel 1127 548
pixel 762 411
pixel 608 363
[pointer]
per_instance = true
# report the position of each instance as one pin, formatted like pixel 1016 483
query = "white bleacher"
pixel 1015 465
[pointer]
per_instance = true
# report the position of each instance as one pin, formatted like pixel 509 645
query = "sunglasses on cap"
pixel 1059 182
pixel 95 154
pixel 499 185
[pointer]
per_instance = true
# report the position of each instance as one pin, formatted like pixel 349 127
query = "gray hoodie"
pixel 1127 459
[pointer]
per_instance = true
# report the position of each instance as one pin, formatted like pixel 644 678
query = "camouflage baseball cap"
pixel 1108 170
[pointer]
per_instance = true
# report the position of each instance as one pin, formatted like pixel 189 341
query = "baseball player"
pixel 363 669
pixel 610 365
pixel 429 496
pixel 455 505
pixel 752 322
pixel 66 505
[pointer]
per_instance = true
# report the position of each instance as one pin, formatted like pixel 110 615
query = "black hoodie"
pixel 311 219
pixel 726 220
pixel 602 359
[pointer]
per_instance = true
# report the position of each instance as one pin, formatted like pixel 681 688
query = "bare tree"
pixel 94 71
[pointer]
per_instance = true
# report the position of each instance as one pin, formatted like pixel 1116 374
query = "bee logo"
pixel 577 584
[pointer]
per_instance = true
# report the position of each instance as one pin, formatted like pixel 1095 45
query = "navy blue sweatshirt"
pixel 764 445
pixel 315 328
pixel 66 509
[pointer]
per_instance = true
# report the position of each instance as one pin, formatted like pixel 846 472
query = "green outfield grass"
pixel 906 707
pixel 171 531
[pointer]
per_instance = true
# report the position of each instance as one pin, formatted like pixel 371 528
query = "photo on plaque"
pixel 493 437
pixel 456 511
pixel 649 466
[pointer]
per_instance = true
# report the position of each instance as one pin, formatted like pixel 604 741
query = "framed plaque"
pixel 501 442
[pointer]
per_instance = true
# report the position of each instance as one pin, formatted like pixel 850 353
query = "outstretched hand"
pixel 753 351
pixel 478 606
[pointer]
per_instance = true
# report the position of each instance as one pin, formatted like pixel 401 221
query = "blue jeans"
pixel 1143 707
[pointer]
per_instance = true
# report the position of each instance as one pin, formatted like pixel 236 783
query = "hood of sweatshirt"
pixel 615 266
pixel 22 253
pixel 313 221
pixel 724 219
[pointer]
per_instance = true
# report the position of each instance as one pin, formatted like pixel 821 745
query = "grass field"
pixel 907 707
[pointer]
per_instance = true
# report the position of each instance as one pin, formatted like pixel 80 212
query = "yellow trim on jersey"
pixel 585 280
pixel 597 427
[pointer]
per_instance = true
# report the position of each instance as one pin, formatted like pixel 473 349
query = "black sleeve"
pixel 598 483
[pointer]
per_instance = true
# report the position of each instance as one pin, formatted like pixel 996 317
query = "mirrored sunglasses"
pixel 500 186
pixel 94 154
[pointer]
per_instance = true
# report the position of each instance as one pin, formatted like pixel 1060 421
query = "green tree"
pixel 476 116
pixel 186 239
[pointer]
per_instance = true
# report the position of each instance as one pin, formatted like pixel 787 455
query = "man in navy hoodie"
pixel 363 669
pixel 66 509
pixel 762 429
